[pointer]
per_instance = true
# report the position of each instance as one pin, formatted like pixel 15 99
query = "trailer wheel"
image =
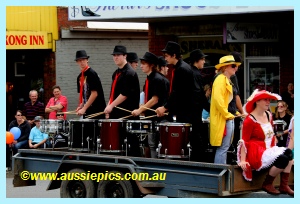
pixel 77 188
pixel 115 188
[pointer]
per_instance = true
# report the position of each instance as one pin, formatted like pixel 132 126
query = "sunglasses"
pixel 60 115
pixel 233 66
pixel 280 106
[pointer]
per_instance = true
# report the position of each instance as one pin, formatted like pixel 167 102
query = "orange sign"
pixel 26 40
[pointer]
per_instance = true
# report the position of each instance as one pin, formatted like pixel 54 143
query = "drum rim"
pixel 278 122
pixel 174 124
pixel 49 120
pixel 111 120
pixel 139 121
pixel 83 120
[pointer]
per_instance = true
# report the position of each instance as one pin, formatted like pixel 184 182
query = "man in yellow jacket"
pixel 221 120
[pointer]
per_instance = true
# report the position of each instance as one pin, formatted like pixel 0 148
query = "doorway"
pixel 262 73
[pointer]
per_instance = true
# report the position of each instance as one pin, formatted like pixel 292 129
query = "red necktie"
pixel 113 88
pixel 81 83
pixel 146 91
pixel 172 76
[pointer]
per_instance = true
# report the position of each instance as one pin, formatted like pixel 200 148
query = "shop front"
pixel 263 35
pixel 30 58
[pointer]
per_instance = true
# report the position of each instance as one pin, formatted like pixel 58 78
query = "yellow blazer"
pixel 220 98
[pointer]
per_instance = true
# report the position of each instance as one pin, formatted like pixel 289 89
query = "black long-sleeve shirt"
pixel 24 127
pixel 181 100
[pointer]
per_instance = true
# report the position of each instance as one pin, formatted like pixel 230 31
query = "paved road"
pixel 38 191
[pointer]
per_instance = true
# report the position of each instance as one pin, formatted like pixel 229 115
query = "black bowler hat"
pixel 161 61
pixel 119 50
pixel 81 54
pixel 237 56
pixel 197 54
pixel 172 47
pixel 150 57
pixel 132 57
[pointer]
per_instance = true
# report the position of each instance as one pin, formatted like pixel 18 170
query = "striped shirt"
pixel 37 109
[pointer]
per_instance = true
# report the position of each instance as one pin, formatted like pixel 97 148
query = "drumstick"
pixel 123 109
pixel 125 117
pixel 68 112
pixel 152 109
pixel 151 116
pixel 94 115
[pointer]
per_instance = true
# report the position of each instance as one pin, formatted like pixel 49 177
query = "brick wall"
pixel 49 76
pixel 63 22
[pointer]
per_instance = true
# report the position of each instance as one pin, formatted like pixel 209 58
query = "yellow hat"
pixel 226 60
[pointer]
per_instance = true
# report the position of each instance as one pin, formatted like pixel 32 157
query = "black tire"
pixel 77 188
pixel 115 189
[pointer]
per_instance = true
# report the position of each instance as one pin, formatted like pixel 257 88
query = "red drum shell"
pixel 174 138
pixel 111 135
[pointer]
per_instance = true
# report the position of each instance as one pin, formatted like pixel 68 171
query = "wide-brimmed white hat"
pixel 226 60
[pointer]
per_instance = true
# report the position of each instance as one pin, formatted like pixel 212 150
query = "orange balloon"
pixel 9 137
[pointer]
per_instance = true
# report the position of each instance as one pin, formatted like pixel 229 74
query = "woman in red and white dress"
pixel 257 149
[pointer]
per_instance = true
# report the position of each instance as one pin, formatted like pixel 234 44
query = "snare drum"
pixel 174 142
pixel 112 138
pixel 52 126
pixel 83 134
pixel 279 127
pixel 139 126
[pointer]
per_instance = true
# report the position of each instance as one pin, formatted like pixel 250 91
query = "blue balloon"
pixel 16 132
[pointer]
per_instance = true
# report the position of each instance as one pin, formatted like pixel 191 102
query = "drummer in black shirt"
pixel 199 138
pixel 156 91
pixel 163 70
pixel 180 103
pixel 125 90
pixel 185 102
pixel 91 98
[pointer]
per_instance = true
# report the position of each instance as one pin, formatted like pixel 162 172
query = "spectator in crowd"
pixel 22 141
pixel 24 126
pixel 132 59
pixel 58 103
pixel 37 139
pixel 257 149
pixel 207 90
pixel 290 140
pixel 221 113
pixel 282 113
pixel 33 108
pixel 89 87
pixel 288 96
pixel 163 70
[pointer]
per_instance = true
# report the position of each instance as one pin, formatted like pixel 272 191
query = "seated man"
pixel 36 137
